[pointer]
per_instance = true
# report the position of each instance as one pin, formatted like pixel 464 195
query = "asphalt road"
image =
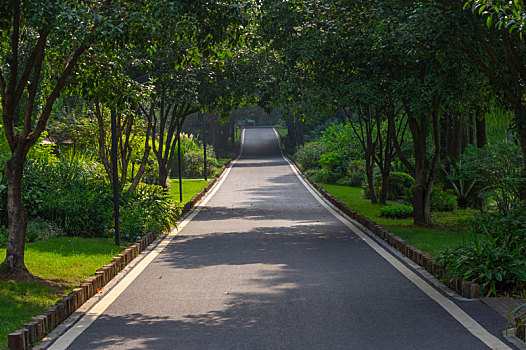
pixel 264 265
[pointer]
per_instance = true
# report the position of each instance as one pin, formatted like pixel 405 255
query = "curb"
pixel 466 289
pixel 33 332
pixel 190 204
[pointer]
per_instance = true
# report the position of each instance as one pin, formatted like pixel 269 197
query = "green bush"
pixel 193 163
pixel 401 186
pixel 308 156
pixel 69 191
pixel 496 258
pixel 148 209
pixel 443 200
pixel 325 176
pixel 496 265
pixel 500 225
pixel 497 170
pixel 338 138
pixel 356 173
pixel 400 211
pixel 330 161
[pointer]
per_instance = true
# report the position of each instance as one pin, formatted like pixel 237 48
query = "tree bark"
pixel 424 170
pixel 480 126
pixel 13 264
pixel 471 129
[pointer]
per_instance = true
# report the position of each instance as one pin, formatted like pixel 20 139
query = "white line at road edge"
pixel 454 310
pixel 67 338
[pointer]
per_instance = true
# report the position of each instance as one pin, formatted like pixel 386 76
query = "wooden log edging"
pixel 466 289
pixel 521 332
pixel 31 333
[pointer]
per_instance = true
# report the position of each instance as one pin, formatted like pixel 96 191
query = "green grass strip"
pixel 442 234
pixel 62 263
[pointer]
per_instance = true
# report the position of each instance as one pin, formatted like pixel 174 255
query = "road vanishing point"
pixel 264 263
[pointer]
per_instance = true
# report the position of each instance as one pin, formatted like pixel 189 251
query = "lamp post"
pixel 202 117
pixel 115 176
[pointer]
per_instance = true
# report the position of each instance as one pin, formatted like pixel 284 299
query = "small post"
pixel 204 146
pixel 179 165
pixel 115 176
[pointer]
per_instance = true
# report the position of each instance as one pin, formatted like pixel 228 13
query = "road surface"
pixel 266 265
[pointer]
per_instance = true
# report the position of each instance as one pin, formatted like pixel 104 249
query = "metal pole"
pixel 115 176
pixel 179 165
pixel 204 148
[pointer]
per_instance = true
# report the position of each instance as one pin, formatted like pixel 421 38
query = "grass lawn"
pixel 61 263
pixel 191 187
pixel 431 239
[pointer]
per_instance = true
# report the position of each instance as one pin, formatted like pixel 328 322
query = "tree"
pixel 500 35
pixel 42 43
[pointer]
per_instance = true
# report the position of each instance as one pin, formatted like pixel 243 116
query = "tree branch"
pixel 46 112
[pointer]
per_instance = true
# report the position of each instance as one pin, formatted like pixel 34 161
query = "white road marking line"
pixel 78 328
pixel 454 310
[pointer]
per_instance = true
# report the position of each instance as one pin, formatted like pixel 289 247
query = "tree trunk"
pixel 163 176
pixel 13 264
pixel 471 129
pixel 386 179
pixel 369 170
pixel 520 120
pixel 480 126
pixel 421 204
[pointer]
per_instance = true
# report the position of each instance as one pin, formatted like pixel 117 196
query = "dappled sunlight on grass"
pixel 62 263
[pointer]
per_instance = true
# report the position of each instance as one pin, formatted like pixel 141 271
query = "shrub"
pixel 501 225
pixel 35 229
pixel 497 168
pixel 330 160
pixel 496 258
pixel 495 265
pixel 146 210
pixel 308 156
pixel 356 173
pixel 338 138
pixel 69 191
pixel 400 211
pixel 325 176
pixel 401 186
pixel 193 164
pixel 443 200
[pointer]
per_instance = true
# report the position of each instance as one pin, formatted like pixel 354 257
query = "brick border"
pixel 466 289
pixel 31 333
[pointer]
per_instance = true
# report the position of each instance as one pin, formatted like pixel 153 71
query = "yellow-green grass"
pixel 61 263
pixel 191 187
pixel 440 235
